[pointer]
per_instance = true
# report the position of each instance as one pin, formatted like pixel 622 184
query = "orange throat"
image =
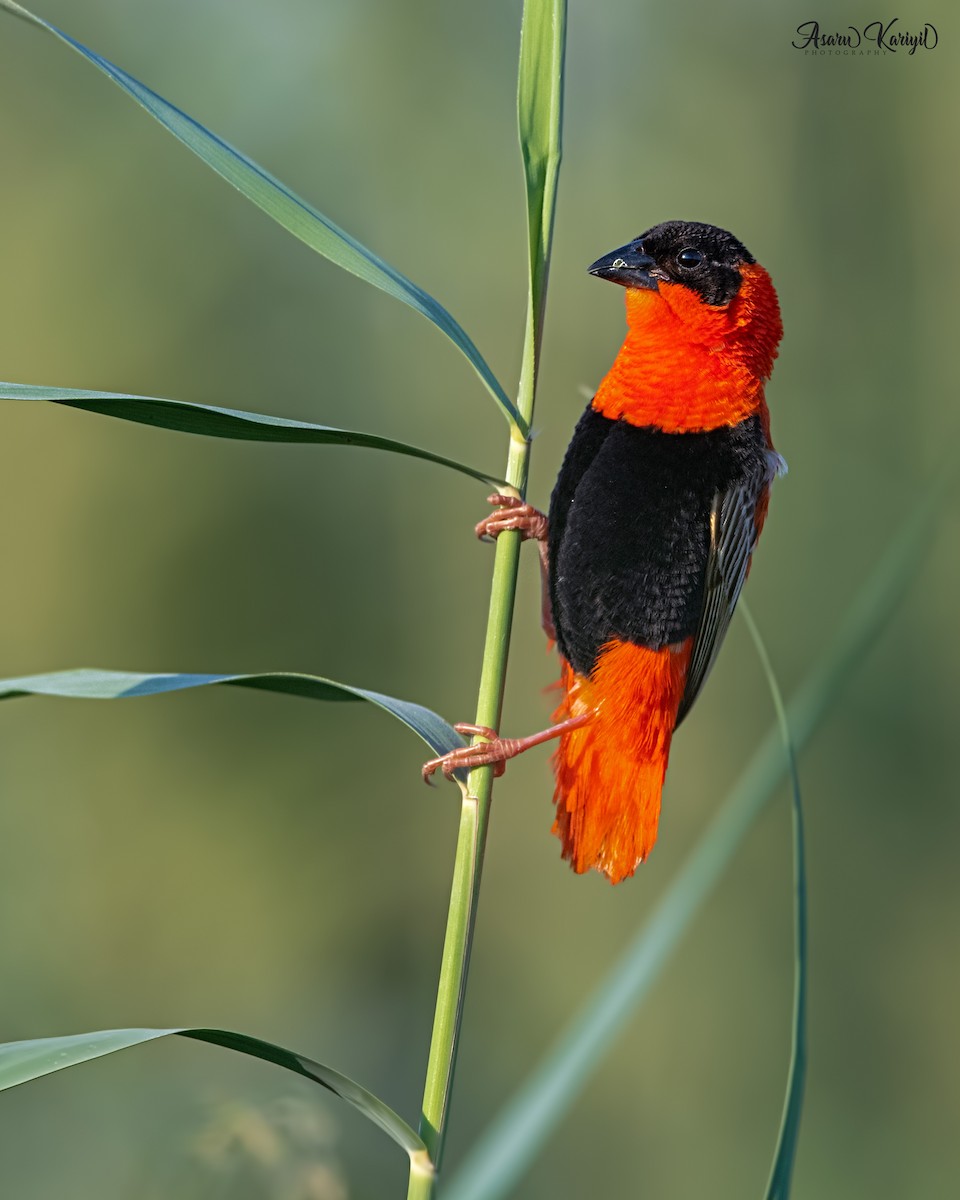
pixel 687 366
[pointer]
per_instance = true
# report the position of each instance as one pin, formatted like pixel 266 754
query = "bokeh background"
pixel 275 866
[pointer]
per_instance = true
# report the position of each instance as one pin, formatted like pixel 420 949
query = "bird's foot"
pixel 495 750
pixel 512 513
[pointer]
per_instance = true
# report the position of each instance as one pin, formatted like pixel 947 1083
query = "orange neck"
pixel 686 366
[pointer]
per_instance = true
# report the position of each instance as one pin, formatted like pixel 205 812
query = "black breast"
pixel 630 530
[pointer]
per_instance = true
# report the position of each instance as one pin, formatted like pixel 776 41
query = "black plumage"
pixel 630 529
pixel 716 278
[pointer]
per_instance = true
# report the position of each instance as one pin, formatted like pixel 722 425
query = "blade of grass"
pixel 85 684
pixel 21 1062
pixel 540 109
pixel 287 208
pixel 208 419
pixel 540 122
pixel 784 1156
pixel 503 1153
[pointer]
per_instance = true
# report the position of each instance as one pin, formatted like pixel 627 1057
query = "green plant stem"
pixel 471 840
pixel 540 115
pixel 475 810
pixel 477 797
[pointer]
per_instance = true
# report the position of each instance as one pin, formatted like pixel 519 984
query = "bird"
pixel 649 535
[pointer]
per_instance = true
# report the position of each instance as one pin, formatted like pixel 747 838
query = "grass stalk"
pixel 540 112
pixel 471 839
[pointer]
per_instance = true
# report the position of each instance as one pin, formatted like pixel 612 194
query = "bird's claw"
pixel 512 513
pixel 482 754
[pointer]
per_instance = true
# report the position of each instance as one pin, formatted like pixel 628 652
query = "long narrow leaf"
pixel 501 1156
pixel 784 1156
pixel 286 207
pixel 540 120
pixel 212 421
pixel 23 1061
pixel 118 685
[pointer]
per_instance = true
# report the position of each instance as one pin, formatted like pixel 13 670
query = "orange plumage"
pixel 610 771
pixel 686 366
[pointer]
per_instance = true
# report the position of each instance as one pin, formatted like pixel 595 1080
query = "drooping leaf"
pixel 286 208
pixel 24 1061
pixel 233 423
pixel 118 685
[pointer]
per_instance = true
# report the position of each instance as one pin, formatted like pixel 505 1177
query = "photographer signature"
pixel 884 35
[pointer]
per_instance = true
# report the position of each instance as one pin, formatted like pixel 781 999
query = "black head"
pixel 701 257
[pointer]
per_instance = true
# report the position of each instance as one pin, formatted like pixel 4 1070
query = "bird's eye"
pixel 689 258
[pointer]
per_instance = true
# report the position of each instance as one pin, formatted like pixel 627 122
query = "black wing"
pixel 733 535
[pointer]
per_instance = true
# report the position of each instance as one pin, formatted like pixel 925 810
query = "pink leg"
pixel 496 750
pixel 514 513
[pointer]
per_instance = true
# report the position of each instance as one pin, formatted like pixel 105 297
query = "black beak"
pixel 628 266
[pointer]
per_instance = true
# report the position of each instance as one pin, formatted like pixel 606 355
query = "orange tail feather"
pixel 610 771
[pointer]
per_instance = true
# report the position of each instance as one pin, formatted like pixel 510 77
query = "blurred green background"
pixel 275 866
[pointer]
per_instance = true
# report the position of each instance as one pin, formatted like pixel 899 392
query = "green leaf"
pixel 781 1171
pixel 23 1061
pixel 540 119
pixel 287 208
pixel 224 422
pixel 119 685
pixel 502 1154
